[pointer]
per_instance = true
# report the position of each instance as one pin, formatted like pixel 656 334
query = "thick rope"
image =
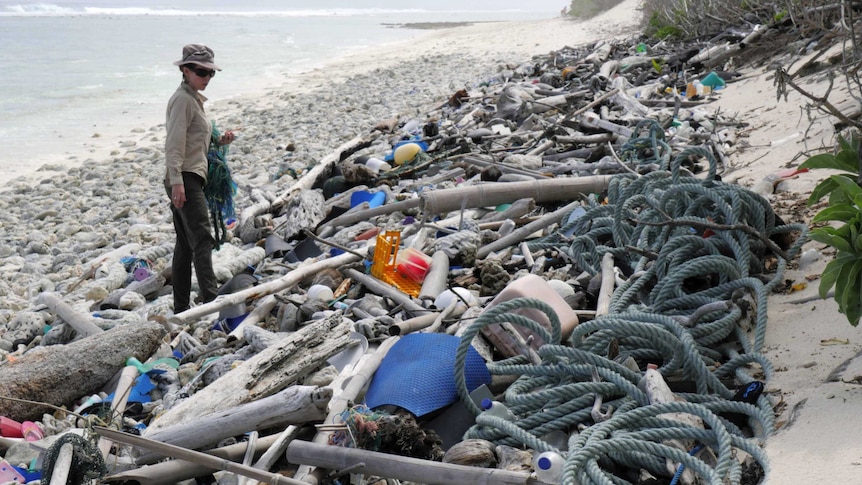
pixel 695 278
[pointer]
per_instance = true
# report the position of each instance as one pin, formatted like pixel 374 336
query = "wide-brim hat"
pixel 198 54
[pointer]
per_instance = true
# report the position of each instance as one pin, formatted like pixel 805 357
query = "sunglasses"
pixel 201 72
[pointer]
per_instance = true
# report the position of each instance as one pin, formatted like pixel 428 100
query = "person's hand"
pixel 227 138
pixel 178 195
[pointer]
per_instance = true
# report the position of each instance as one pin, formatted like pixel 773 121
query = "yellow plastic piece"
pixel 406 153
pixel 383 267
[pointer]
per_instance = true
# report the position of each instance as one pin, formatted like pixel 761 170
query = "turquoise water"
pixel 69 70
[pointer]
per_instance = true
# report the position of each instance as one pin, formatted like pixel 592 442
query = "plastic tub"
pixel 413 264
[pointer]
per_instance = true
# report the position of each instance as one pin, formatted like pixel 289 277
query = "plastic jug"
pixel 530 286
pixel 498 409
pixel 549 466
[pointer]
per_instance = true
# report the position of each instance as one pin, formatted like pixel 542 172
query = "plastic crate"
pixel 383 266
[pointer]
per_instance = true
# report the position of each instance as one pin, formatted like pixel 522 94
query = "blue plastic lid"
pixel 487 403
pixel 544 463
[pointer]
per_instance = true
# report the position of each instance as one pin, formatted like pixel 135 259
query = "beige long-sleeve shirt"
pixel 188 137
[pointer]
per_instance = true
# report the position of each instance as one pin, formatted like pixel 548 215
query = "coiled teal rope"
pixel 681 309
pixel 219 189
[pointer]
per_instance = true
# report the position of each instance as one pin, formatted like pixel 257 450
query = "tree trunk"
pixel 61 374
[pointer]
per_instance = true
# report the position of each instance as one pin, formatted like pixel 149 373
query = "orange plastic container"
pixel 385 264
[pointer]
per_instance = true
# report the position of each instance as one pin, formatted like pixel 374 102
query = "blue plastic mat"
pixel 418 374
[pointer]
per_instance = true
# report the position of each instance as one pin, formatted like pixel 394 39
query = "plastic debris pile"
pixel 544 275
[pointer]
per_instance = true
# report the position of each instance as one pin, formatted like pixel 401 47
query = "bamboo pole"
pixel 503 167
pixel 275 451
pixel 82 323
pixel 437 278
pixel 195 457
pixel 603 305
pixel 118 405
pixel 175 471
pixel 256 316
pixel 490 195
pixel 402 467
pixel 413 324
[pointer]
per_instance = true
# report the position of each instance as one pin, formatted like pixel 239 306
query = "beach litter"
pixel 556 239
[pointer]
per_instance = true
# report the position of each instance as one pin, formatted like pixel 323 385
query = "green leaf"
pixel 840 212
pixel 834 162
pixel 848 145
pixel 847 291
pixel 822 189
pixel 838 196
pixel 848 185
pixel 822 234
pixel 830 236
pixel 853 311
pixel 830 275
pixel 849 158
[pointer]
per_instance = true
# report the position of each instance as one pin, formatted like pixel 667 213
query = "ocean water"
pixel 73 69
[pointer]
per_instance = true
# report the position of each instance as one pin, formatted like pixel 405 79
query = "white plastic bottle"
pixel 549 466
pixel 498 409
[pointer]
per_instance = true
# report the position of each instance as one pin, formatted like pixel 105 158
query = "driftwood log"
pixel 309 179
pixel 294 405
pixel 522 233
pixel 351 218
pixel 287 281
pixel 381 288
pixel 60 374
pixel 265 374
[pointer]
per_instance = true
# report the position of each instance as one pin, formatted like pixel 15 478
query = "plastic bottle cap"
pixel 544 463
pixel 487 403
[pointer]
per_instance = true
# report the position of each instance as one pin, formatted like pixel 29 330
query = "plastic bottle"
pixel 498 409
pixel 808 257
pixel 549 466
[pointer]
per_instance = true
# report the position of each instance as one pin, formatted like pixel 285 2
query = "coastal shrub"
pixel 661 30
pixel 701 19
pixel 584 9
pixel 844 233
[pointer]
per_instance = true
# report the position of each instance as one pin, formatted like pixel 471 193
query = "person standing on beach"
pixel 189 134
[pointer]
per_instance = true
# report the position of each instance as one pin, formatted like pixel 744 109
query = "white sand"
pixel 818 442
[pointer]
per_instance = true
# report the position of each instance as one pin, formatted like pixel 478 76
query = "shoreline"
pixel 482 39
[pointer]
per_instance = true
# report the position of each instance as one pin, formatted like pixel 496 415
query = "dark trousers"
pixel 194 245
